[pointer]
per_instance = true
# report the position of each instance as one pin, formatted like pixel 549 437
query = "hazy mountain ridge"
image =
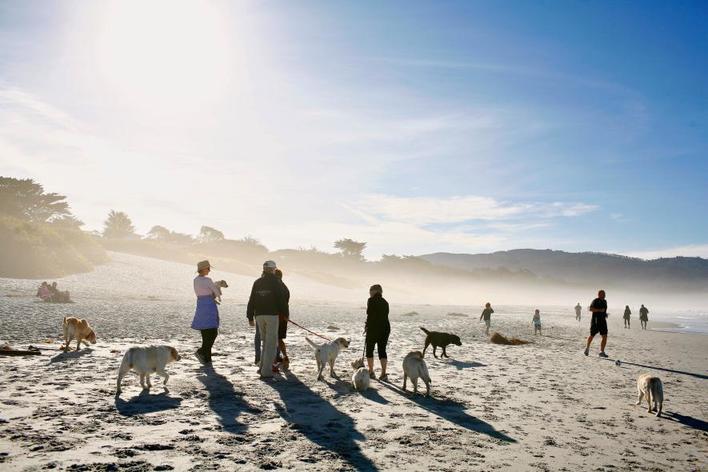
pixel 687 273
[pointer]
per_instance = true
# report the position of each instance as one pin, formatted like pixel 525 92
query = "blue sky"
pixel 415 126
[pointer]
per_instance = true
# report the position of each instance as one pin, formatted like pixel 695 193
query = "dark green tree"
pixel 25 199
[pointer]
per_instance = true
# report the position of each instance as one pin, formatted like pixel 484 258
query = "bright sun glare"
pixel 159 51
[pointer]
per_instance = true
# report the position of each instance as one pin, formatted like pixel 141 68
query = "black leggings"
pixel 208 338
pixel 372 341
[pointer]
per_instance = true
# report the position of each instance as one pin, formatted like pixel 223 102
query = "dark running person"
pixel 578 311
pixel 281 355
pixel 266 302
pixel 598 322
pixel 627 315
pixel 643 316
pixel 487 316
pixel 377 330
pixel 206 316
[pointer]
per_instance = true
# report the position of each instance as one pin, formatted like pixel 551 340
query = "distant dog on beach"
pixel 219 285
pixel 439 340
pixel 327 354
pixel 414 367
pixel 360 377
pixel 75 328
pixel 146 360
pixel 650 386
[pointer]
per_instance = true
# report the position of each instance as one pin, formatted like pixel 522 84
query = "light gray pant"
pixel 268 328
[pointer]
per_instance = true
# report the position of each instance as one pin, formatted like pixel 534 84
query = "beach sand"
pixel 541 406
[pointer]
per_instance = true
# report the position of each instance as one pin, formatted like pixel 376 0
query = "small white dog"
pixel 326 354
pixel 360 377
pixel 219 285
pixel 146 360
pixel 414 367
pixel 650 386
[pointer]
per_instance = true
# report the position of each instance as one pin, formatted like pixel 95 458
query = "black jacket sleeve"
pixel 250 308
pixel 282 297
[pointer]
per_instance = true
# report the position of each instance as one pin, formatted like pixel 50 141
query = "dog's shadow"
pixel 224 400
pixel 146 403
pixel 318 420
pixel 453 412
pixel 464 365
pixel 689 421
pixel 69 355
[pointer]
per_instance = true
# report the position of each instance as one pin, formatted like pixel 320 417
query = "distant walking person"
pixel 281 356
pixel 487 316
pixel 627 314
pixel 266 302
pixel 643 316
pixel 598 322
pixel 377 330
pixel 537 323
pixel 578 311
pixel 206 316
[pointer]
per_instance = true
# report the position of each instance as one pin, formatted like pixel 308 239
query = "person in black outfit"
pixel 598 323
pixel 377 330
pixel 267 302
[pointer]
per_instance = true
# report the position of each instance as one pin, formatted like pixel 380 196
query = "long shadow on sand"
pixel 68 355
pixel 689 421
pixel 224 400
pixel 452 411
pixel 146 403
pixel 692 374
pixel 316 418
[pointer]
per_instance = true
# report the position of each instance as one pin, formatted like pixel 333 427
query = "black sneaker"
pixel 587 351
pixel 602 354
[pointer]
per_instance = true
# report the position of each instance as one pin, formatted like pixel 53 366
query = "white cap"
pixel 269 265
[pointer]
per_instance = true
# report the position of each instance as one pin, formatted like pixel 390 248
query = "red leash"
pixel 311 332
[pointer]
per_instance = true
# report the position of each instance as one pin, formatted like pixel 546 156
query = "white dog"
pixel 360 377
pixel 651 387
pixel 414 367
pixel 146 360
pixel 219 285
pixel 327 353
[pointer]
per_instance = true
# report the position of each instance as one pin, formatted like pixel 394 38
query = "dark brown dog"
pixel 439 340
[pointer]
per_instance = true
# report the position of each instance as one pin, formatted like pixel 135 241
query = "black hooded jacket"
pixel 268 297
pixel 377 323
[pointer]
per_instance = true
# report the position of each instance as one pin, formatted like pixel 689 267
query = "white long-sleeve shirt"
pixel 204 286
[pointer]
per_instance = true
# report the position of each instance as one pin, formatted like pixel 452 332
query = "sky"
pixel 414 126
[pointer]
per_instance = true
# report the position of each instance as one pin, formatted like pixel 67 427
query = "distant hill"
pixel 588 268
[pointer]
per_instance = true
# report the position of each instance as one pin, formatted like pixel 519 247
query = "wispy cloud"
pixel 458 209
pixel 689 250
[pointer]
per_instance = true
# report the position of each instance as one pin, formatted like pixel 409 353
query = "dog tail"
pixel 314 346
pixel 425 330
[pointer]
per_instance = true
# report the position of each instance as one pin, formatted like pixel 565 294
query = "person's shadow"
pixel 146 403
pixel 452 411
pixel 689 421
pixel 324 425
pixel 224 400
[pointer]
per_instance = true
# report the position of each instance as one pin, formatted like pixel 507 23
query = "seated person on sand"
pixel 44 293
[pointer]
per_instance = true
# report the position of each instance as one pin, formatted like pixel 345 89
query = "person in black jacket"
pixel 377 330
pixel 267 301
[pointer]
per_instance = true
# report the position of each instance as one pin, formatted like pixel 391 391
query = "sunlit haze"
pixel 416 127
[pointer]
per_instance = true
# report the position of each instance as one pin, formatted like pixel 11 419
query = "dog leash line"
pixel 309 331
